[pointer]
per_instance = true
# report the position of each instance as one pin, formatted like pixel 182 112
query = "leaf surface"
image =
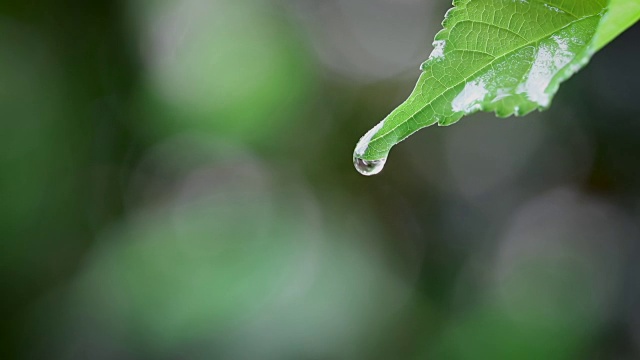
pixel 621 15
pixel 505 56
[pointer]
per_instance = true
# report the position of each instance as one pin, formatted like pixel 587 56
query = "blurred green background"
pixel 176 183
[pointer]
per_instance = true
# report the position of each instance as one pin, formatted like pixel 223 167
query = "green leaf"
pixel 505 56
pixel 620 16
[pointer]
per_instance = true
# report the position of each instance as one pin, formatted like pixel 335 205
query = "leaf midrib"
pixel 533 42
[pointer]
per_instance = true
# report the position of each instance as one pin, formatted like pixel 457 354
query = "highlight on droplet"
pixel 368 167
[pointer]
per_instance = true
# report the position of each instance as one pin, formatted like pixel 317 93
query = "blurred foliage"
pixel 176 183
pixel 233 69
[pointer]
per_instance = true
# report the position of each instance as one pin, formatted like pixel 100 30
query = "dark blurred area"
pixel 176 183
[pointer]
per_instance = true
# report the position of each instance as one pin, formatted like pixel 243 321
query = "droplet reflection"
pixel 368 167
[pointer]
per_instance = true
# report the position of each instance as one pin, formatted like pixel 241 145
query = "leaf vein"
pixel 559 7
pixel 492 25
pixel 379 137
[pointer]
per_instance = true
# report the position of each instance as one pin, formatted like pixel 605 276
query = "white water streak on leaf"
pixel 438 49
pixel 363 144
pixel 505 56
pixel 468 99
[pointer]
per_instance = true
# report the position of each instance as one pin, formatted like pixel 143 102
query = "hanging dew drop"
pixel 368 167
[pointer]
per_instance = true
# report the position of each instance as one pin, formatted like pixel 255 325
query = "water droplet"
pixel 368 167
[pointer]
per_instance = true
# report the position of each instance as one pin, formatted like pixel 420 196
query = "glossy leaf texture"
pixel 621 14
pixel 505 56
